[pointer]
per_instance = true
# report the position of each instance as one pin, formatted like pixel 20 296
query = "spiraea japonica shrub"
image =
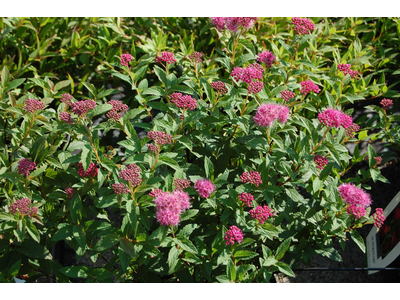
pixel 229 166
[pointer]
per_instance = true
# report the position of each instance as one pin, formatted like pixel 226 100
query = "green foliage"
pixel 46 58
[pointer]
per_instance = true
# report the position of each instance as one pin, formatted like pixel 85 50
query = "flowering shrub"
pixel 227 170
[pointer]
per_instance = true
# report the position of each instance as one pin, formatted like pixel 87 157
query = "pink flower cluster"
pixel 378 217
pixel 117 108
pixel 152 147
pixel 246 198
pixel 345 68
pixel 181 184
pixel 268 113
pixel 234 234
pixel 219 86
pixel 155 193
pixel 166 57
pixel 90 172
pixel 302 26
pixel 308 86
pixel 204 187
pixel 356 211
pixel 24 207
pixel 287 95
pixel 32 105
pixel 246 75
pixel 131 173
pixel 356 198
pixel 125 59
pixel 386 103
pixel 196 57
pixel 183 101
pixel 352 129
pixel 169 207
pixel 266 57
pixel 120 188
pixel 252 177
pixel 335 118
pixel 82 107
pixel 255 87
pixel 66 117
pixel 378 160
pixel 159 137
pixel 320 161
pixel 261 213
pixel 233 23
pixel 25 165
pixel 67 99
pixel 70 192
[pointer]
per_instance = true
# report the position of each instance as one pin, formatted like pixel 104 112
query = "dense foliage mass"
pixel 189 149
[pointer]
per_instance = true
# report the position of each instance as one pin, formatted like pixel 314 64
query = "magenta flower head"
pixel 125 59
pixel 66 117
pixel 261 213
pixel 320 161
pixel 120 188
pixel 169 207
pixel 90 172
pixel 166 57
pixel 67 99
pixel 159 137
pixel 302 26
pixel 196 57
pixel 70 192
pixel 131 173
pixel 335 118
pixel 32 105
pixel 24 207
pixel 181 184
pixel 234 234
pixel 345 68
pixel 183 101
pixel 252 177
pixel 266 57
pixel 287 95
pixel 219 23
pixel 255 87
pixel 378 217
pixel 356 211
pixel 268 113
pixel 155 193
pixel 204 187
pixel 82 107
pixel 352 129
pixel 308 86
pixel 25 165
pixel 246 198
pixel 117 108
pixel 219 86
pixel 233 23
pixel 386 103
pixel 246 75
pixel 353 195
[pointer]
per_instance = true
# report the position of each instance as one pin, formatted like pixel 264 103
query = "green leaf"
pixel 75 271
pixel 14 269
pixel 86 156
pixel 131 114
pixel 100 273
pixel 161 75
pixel 169 162
pixel 356 237
pixel 285 269
pixel 106 242
pixel 127 246
pixel 231 270
pixel 173 259
pixel 208 90
pixel 33 232
pixel 7 217
pixel 249 46
pixel 79 235
pixel 188 214
pixel 185 141
pixel 155 90
pixel 186 245
pixel 62 84
pixel 33 249
pixel 244 254
pixel 76 208
pixel 100 109
pixel 91 89
pixel 208 167
pixel 14 84
pixel 63 232
pixel 280 252
pixel 5 76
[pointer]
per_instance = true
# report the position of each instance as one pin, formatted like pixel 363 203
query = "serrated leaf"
pixel 76 271
pixel 14 84
pixel 86 156
pixel 188 214
pixel 32 231
pixel 100 109
pixel 131 114
pixel 231 270
pixel 106 242
pixel 186 245
pixel 356 237
pixel 208 167
pixel 280 252
pixel 244 254
pixel 127 246
pixel 62 84
pixel 285 269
